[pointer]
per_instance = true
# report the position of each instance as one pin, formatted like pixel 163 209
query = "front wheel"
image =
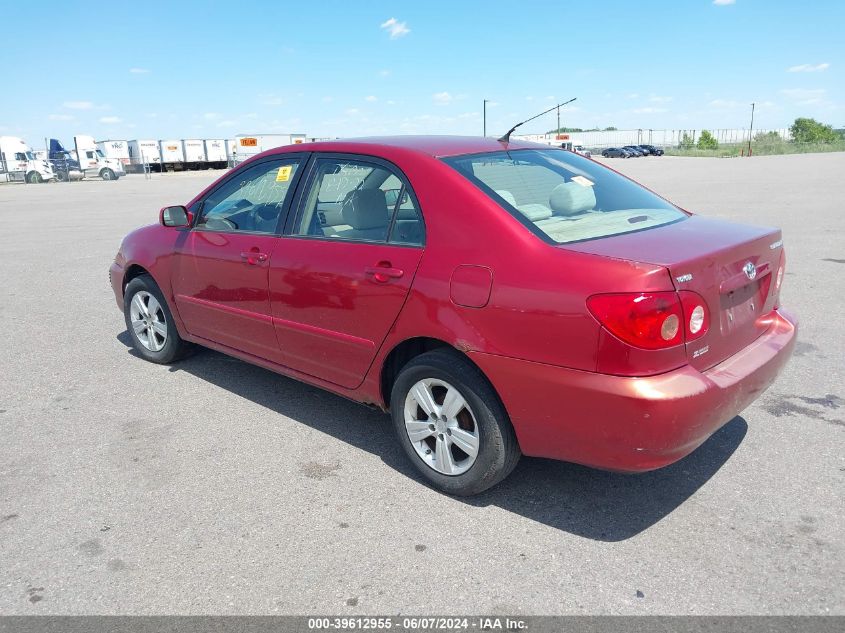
pixel 451 424
pixel 107 174
pixel 150 322
pixel 34 178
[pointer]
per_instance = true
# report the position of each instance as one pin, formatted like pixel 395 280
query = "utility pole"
pixel 485 116
pixel 751 129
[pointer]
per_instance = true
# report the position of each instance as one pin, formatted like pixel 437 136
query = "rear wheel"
pixel 150 322
pixel 107 174
pixel 451 424
pixel 61 176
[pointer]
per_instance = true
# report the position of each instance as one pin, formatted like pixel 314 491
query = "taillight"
pixel 696 315
pixel 781 269
pixel 649 320
pixel 652 320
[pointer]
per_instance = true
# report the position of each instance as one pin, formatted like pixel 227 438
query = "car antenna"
pixel 507 137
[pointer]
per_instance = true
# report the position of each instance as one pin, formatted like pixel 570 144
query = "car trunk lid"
pixel 731 266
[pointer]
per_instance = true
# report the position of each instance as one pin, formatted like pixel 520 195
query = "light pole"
pixel 485 117
pixel 751 129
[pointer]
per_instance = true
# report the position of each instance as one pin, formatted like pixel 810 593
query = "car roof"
pixel 436 146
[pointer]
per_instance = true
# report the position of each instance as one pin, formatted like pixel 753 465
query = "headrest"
pixel 507 196
pixel 531 211
pixel 365 209
pixel 570 198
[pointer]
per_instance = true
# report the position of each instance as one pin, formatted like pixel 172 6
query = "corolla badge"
pixel 750 270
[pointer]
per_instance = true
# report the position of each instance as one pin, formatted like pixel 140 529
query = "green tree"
pixel 707 141
pixel 610 129
pixel 686 142
pixel 806 130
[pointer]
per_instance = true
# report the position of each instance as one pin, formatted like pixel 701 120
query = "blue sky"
pixel 350 68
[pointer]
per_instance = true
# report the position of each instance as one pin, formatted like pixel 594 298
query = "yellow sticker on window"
pixel 284 174
pixel 584 182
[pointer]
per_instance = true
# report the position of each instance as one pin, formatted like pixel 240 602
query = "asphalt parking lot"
pixel 213 486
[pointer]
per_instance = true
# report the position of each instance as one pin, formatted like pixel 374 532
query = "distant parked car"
pixel 634 150
pixel 616 152
pixel 654 151
pixel 579 149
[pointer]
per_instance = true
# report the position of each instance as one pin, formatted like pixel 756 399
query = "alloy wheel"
pixel 441 426
pixel 148 321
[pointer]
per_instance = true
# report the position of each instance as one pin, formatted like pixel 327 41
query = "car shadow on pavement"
pixel 591 503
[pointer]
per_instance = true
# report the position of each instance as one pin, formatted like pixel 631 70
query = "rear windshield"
pixel 563 197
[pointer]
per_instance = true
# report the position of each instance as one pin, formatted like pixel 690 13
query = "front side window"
pixel 357 200
pixel 563 197
pixel 251 200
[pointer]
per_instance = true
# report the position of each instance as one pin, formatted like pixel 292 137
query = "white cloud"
pixel 808 68
pixel 659 99
pixel 61 117
pixel 352 111
pixel 724 103
pixel 802 94
pixel 396 28
pixel 210 116
pixel 648 110
pixel 271 100
pixel 78 105
pixel 371 98
pixel 139 71
pixel 723 3
pixel 111 119
pixel 442 98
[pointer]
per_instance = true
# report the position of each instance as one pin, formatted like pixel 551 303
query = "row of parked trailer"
pixel 110 159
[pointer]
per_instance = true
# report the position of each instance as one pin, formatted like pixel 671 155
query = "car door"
pixel 342 272
pixel 220 274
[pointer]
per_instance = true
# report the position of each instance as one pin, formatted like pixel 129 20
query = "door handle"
pixel 254 257
pixel 384 272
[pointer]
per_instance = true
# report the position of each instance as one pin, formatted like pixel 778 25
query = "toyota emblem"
pixel 750 270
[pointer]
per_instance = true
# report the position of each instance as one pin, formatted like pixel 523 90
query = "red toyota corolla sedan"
pixel 497 298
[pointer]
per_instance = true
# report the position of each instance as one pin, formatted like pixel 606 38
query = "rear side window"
pixel 563 197
pixel 362 201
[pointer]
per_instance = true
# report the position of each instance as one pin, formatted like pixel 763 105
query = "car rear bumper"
pixel 633 424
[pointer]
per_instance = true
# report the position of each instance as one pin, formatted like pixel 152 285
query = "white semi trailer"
pixel 215 153
pixel 118 150
pixel 247 145
pixel 194 150
pixel 144 152
pixel 172 155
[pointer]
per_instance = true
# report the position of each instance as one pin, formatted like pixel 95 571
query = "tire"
pixel 61 176
pixel 476 413
pixel 107 174
pixel 150 323
pixel 34 178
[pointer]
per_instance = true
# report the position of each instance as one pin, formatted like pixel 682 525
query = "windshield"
pixel 100 153
pixel 30 156
pixel 563 197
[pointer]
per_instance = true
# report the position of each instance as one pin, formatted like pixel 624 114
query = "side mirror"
pixel 175 217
